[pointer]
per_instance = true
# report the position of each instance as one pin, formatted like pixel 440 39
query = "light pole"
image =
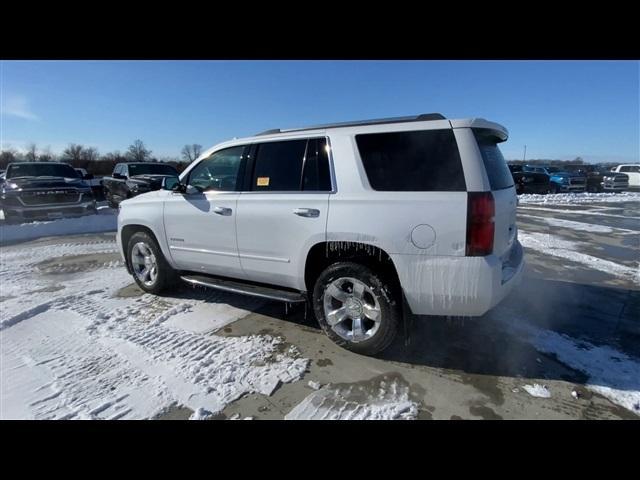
pixel 525 153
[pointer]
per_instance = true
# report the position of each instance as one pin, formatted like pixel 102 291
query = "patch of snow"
pixel 382 398
pixel 579 198
pixel 536 390
pixel 201 414
pixel 570 224
pixel 590 212
pixel 80 351
pixel 314 385
pixel 611 373
pixel 557 247
pixel 103 221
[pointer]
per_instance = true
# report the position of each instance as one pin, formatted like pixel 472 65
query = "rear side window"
pixel 292 165
pixel 278 166
pixel 494 163
pixel 417 161
pixel 316 177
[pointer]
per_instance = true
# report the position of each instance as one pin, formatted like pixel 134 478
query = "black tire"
pixel 553 189
pixel 110 200
pixel 385 295
pixel 165 276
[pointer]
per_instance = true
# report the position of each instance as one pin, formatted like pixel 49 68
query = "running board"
pixel 245 288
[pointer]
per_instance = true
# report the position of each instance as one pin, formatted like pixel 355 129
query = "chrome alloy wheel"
pixel 351 309
pixel 144 263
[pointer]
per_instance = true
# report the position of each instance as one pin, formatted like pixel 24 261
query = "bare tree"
pixel 46 155
pixel 90 154
pixel 73 153
pixel 191 152
pixel 137 152
pixel 32 153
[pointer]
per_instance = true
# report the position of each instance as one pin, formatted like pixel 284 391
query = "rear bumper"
pixel 464 286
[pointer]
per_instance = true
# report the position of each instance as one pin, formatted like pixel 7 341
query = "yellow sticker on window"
pixel 262 182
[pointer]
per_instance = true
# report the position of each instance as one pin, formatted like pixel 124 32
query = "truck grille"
pixel 49 197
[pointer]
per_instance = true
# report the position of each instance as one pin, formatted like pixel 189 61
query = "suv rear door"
pixel 282 210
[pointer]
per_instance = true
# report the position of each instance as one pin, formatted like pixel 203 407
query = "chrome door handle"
pixel 307 212
pixel 222 211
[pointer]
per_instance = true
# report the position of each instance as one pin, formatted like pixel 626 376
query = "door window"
pixel 218 172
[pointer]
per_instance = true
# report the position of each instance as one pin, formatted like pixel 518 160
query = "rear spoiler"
pixel 496 130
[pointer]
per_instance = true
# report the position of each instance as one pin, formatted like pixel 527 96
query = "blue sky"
pixel 559 109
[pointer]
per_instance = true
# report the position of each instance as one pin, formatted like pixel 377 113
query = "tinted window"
pixel 418 161
pixel 494 164
pixel 316 175
pixel 278 166
pixel 218 172
pixel 35 169
pixel 151 169
pixel 630 168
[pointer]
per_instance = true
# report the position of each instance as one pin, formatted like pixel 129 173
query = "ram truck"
pixel 131 179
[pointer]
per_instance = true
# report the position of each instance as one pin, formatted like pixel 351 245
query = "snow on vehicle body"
pixel 353 217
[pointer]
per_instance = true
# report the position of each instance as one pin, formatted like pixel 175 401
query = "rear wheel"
pixel 150 269
pixel 356 307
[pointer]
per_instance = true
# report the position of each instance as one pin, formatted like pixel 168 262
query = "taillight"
pixel 481 210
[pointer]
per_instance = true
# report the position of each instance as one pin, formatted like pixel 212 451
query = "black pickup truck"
pixel 529 182
pixel 131 179
pixel 43 190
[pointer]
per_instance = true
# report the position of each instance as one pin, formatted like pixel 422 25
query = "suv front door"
pixel 283 210
pixel 201 225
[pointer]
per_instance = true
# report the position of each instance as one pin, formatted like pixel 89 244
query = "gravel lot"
pixel 79 340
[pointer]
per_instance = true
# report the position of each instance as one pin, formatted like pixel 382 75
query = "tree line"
pixel 80 156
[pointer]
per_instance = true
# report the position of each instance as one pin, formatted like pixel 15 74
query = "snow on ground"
pixel 612 373
pixel 579 198
pixel 72 348
pixel 589 212
pixel 554 245
pixel 381 398
pixel 570 224
pixel 106 220
pixel 537 390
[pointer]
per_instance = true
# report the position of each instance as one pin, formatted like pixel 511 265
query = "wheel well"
pixel 127 233
pixel 323 254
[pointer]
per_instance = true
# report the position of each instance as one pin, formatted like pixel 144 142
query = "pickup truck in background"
pixel 529 182
pixel 600 178
pixel 131 179
pixel 43 190
pixel 93 182
pixel 632 171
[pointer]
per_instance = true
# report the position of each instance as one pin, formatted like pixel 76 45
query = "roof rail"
pixel 359 123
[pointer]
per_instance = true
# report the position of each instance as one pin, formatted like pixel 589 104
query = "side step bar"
pixel 245 288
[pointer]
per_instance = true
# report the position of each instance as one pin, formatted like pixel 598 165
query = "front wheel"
pixel 356 307
pixel 150 269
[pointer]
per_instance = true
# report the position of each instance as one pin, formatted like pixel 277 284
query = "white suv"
pixel 364 220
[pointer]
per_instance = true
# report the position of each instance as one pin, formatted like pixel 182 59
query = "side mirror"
pixel 170 183
pixel 119 176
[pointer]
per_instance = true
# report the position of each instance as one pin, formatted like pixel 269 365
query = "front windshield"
pixel 41 170
pixel 151 169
